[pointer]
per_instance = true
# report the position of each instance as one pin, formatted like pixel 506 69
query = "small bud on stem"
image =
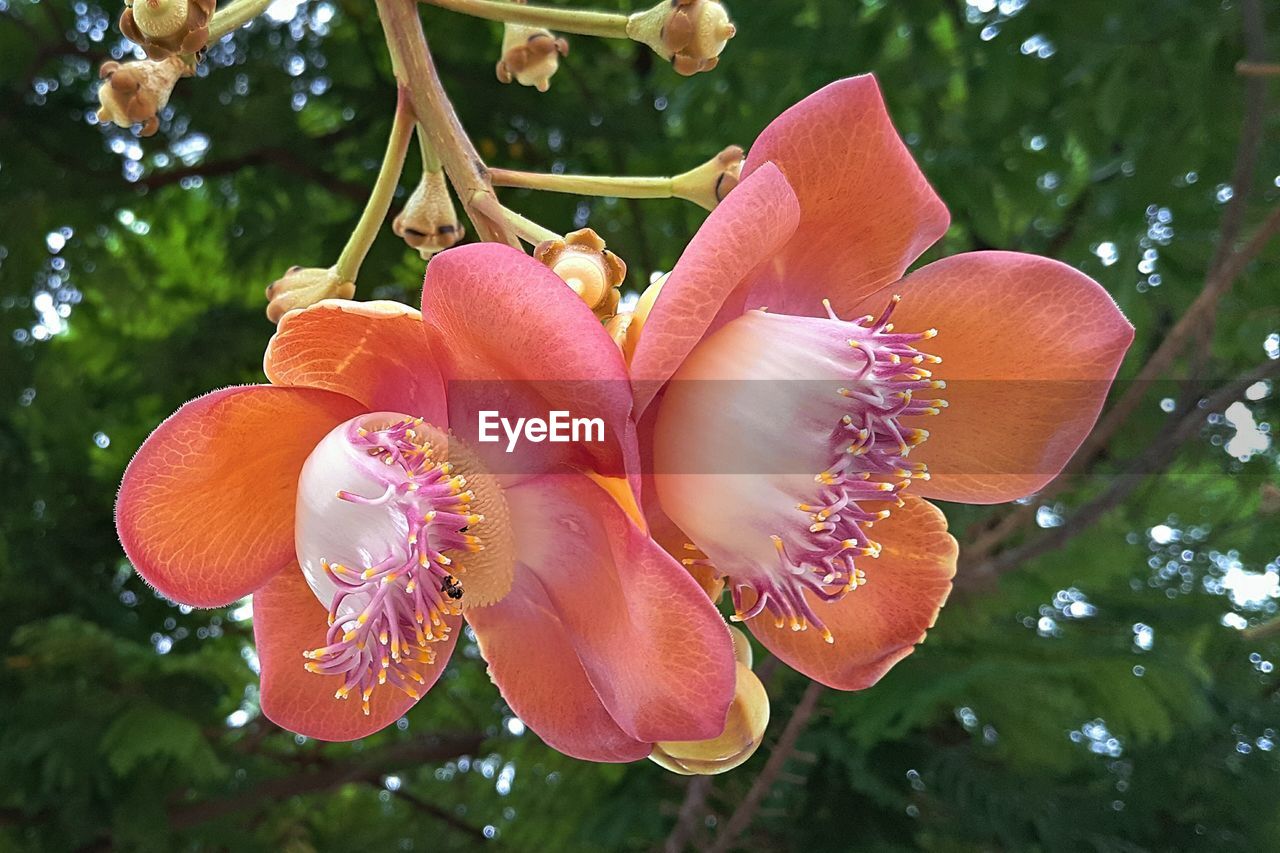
pixel 302 287
pixel 530 55
pixel 691 34
pixel 166 27
pixel 708 184
pixel 593 272
pixel 135 92
pixel 428 222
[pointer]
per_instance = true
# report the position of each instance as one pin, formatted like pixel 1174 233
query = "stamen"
pixel 385 615
pixel 868 452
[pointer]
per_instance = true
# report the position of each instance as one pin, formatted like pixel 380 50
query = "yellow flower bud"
pixel 135 92
pixel 744 730
pixel 302 287
pixel 428 222
pixel 530 55
pixel 165 27
pixel 708 184
pixel 593 272
pixel 691 34
pixel 639 316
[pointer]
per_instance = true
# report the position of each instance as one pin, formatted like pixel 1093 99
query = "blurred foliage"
pixel 1105 696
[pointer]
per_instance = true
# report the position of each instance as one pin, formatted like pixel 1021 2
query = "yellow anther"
pixel 349 636
pixel 826 635
pixel 929 333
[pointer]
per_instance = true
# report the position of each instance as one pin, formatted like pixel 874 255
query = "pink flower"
pixel 352 499
pixel 809 495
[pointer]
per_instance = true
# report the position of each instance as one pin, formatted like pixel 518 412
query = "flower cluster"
pixel 778 413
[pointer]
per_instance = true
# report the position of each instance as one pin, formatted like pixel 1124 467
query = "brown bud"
pixel 428 222
pixel 530 56
pixel 708 184
pixel 302 287
pixel 164 27
pixel 593 272
pixel 743 732
pixel 691 34
pixel 135 92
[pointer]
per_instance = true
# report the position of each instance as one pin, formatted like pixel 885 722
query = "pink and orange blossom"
pixel 347 498
pixel 794 447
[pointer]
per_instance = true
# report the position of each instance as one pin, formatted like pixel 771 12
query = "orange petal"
pixel 879 623
pixel 867 211
pixel 287 621
pixel 374 352
pixel 746 229
pixel 536 668
pixel 654 648
pixel 517 340
pixel 205 512
pixel 1029 349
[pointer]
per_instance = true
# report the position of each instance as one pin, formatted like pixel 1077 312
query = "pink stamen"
pixel 385 616
pixel 868 464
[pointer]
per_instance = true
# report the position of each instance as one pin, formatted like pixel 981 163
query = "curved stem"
pixel 596 185
pixel 375 210
pixel 578 21
pixel 430 159
pixel 235 16
pixel 526 229
pixel 416 72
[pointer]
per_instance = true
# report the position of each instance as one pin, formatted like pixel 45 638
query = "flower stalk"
pixel 706 185
pixel 416 73
pixel 577 21
pixel 375 210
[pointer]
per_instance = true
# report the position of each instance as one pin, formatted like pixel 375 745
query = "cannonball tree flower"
pixel 812 399
pixel 354 501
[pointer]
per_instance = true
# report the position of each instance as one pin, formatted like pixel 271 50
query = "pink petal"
pixel 879 623
pixel 287 621
pixel 867 211
pixel 1029 349
pixel 515 339
pixel 205 512
pixel 374 352
pixel 747 229
pixel 651 643
pixel 535 666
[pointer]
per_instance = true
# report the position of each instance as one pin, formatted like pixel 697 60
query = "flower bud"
pixel 708 184
pixel 743 732
pixel 135 92
pixel 428 222
pixel 639 316
pixel 588 267
pixel 689 33
pixel 530 55
pixel 302 287
pixel 164 27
